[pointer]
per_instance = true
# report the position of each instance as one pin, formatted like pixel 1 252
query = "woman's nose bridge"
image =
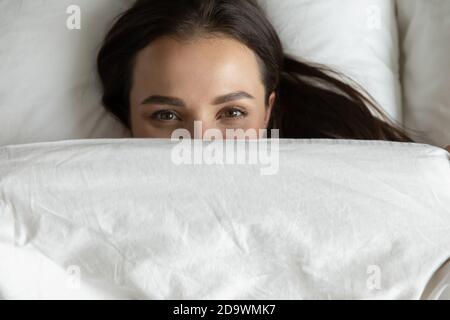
pixel 201 123
pixel 203 118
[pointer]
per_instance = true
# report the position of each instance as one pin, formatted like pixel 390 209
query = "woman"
pixel 166 64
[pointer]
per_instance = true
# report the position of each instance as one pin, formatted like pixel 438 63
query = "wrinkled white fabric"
pixel 340 220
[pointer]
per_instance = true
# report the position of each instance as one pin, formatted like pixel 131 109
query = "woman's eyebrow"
pixel 164 100
pixel 232 97
pixel 176 102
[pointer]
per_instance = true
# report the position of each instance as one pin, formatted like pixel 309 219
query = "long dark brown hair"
pixel 312 101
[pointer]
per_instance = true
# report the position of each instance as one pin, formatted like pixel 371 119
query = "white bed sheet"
pixel 340 220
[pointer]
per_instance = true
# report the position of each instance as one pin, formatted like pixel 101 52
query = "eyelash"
pixel 155 115
pixel 232 109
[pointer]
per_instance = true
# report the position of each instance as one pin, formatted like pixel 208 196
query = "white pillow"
pixel 48 84
pixel 356 37
pixel 425 44
pixel 48 81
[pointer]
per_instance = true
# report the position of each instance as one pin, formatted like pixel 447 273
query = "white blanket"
pixel 118 219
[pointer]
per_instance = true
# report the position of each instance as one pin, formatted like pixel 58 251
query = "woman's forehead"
pixel 197 64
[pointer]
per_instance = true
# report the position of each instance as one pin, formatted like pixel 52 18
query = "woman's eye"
pixel 165 116
pixel 233 113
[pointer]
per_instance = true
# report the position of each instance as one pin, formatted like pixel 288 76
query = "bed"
pixel 87 213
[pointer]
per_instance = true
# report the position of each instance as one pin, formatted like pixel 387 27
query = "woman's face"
pixel 215 80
